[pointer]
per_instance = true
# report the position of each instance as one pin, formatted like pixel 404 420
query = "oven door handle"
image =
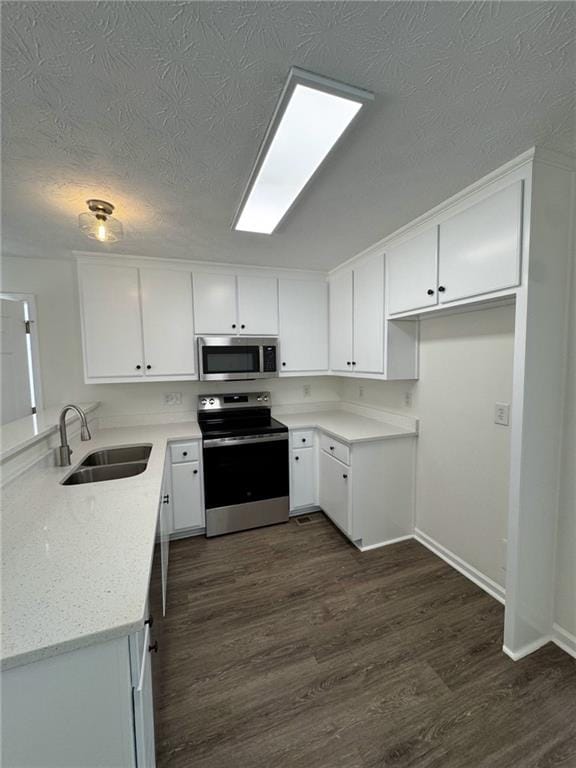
pixel 225 441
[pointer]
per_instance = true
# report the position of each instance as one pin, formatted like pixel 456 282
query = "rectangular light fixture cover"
pixel 312 114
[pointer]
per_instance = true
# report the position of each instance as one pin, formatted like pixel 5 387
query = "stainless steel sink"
pixel 106 472
pixel 117 455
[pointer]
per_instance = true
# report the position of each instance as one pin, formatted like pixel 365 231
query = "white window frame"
pixel 34 352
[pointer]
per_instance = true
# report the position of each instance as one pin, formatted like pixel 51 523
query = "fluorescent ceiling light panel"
pixel 312 114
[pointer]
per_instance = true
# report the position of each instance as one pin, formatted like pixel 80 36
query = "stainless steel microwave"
pixel 232 358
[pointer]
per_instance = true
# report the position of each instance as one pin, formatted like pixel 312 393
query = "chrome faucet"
pixel 63 452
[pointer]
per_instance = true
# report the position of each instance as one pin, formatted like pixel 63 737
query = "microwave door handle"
pixel 261 358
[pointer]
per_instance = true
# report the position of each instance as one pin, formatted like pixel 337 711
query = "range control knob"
pixel 266 398
pixel 203 401
pixel 259 398
pixel 211 401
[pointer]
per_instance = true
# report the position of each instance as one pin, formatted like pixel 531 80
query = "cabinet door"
pixel 334 497
pixel 165 530
pixel 215 304
pixel 411 273
pixel 187 495
pixel 303 477
pixel 168 322
pixel 112 331
pixel 341 321
pixel 258 306
pixel 369 316
pixel 479 250
pixel 303 325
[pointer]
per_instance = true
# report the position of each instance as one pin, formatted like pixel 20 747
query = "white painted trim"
pixel 30 299
pixel 526 650
pixel 470 304
pixel 564 639
pixel 305 510
pixel 482 581
pixel 368 547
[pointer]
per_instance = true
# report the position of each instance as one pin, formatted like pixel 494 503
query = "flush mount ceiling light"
pixel 99 224
pixel 312 114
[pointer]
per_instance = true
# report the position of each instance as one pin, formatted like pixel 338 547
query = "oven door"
pixel 246 482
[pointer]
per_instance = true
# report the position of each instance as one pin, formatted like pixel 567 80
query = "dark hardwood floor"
pixel 285 647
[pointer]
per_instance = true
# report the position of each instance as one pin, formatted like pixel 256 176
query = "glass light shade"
pixel 98 226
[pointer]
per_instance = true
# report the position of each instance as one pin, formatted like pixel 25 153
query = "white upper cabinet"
pixel 369 316
pixel 167 322
pixel 215 309
pixel 230 305
pixel 341 328
pixel 137 324
pixel 258 306
pixel 303 308
pixel 412 273
pixel 480 247
pixel 112 331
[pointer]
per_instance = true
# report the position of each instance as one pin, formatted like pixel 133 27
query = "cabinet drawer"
pixel 302 438
pixel 335 448
pixel 185 452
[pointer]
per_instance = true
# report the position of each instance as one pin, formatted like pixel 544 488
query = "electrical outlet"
pixel 502 414
pixel 361 392
pixel 307 389
pixel 173 398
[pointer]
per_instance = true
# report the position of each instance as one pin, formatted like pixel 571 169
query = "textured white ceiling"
pixel 160 107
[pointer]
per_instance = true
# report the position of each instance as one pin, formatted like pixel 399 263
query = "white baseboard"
pixel 482 581
pixel 527 649
pixel 368 547
pixel 304 511
pixel 564 639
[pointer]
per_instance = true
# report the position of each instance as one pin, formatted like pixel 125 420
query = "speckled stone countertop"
pixel 76 560
pixel 346 426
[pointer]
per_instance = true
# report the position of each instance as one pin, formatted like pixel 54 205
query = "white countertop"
pixel 76 559
pixel 346 426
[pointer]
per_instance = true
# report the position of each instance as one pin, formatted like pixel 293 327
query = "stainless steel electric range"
pixel 245 458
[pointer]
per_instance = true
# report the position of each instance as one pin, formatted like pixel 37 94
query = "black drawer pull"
pixel 166 498
pixel 153 647
pixel 296 458
pixel 441 289
pixel 430 292
pixel 345 477
pixel 150 621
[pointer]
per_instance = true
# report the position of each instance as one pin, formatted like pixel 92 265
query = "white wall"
pixel 54 284
pixel 463 457
pixel 565 603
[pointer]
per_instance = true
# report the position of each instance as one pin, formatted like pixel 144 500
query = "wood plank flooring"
pixel 286 647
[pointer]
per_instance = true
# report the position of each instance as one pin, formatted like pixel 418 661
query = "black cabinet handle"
pixel 296 458
pixel 150 621
pixel 283 363
pixel 166 498
pixel 184 453
pixel 303 439
pixel 153 647
pixel 242 326
pixel 331 447
pixel 353 362
pixel 138 367
pixel 348 362
pixel 233 325
pixel 441 289
pixel 345 477
pixel 195 472
pixel 430 292
pixel 148 367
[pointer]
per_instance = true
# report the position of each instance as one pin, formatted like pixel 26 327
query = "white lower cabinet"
pixel 335 484
pixel 303 478
pixel 187 496
pixel 367 488
pixel 165 528
pixel 187 487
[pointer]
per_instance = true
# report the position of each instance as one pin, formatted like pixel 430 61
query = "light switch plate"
pixel 502 414
pixel 173 398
